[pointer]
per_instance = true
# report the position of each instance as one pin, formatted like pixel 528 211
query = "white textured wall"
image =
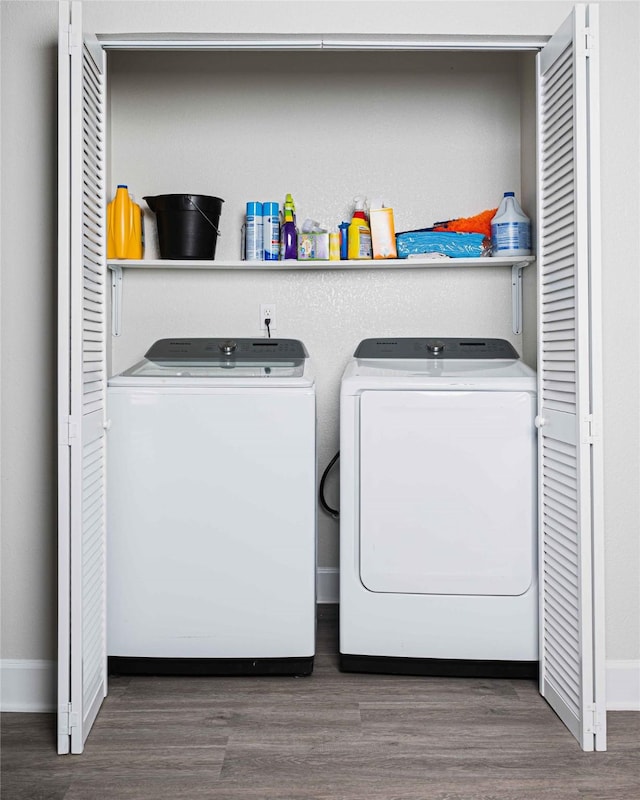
pixel 28 267
pixel 331 312
pixel 321 126
pixel 438 134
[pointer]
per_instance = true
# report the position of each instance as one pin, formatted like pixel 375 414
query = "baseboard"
pixel 623 685
pixel 328 584
pixel 27 685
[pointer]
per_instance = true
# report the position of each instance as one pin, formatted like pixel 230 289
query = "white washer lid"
pixel 220 362
pixel 442 374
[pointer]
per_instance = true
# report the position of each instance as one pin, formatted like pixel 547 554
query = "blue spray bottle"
pixel 344 240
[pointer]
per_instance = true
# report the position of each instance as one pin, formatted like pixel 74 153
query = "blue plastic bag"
pixel 453 244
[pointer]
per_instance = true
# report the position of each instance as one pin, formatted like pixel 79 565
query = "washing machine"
pixel 211 510
pixel 438 572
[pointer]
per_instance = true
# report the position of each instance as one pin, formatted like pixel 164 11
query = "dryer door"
pixel 447 493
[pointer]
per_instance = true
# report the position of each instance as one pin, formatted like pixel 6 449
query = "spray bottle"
pixel 343 227
pixel 288 232
pixel 359 238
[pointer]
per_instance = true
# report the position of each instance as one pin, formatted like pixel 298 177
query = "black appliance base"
pixel 443 667
pixel 133 665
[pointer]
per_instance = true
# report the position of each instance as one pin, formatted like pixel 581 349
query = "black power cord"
pixel 267 323
pixel 332 512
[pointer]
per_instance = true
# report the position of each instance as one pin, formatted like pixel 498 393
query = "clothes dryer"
pixel 438 537
pixel 211 527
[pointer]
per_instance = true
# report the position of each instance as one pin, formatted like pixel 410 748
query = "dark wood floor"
pixel 329 736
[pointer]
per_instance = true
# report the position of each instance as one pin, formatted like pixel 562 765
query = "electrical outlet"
pixel 267 311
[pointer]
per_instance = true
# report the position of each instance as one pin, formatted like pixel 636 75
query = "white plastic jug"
pixel 510 229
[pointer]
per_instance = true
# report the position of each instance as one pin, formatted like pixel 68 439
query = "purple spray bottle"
pixel 288 232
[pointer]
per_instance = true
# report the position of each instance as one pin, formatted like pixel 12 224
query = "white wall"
pixel 235 129
pixel 620 103
pixel 29 64
pixel 28 283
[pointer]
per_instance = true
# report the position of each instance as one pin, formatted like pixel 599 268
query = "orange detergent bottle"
pixel 124 226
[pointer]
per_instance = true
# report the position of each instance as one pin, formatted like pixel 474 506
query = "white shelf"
pixel 388 263
pixel 117 267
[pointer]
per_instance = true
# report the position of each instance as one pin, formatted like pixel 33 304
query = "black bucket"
pixel 187 225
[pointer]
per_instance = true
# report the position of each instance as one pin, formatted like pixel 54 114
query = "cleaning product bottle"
pixel 270 231
pixel 510 229
pixel 124 226
pixel 288 232
pixel 383 230
pixel 359 239
pixel 253 248
pixel 334 247
pixel 343 227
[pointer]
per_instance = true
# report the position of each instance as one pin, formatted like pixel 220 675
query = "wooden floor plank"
pixel 331 736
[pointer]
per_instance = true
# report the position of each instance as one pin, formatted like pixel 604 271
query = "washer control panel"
pixel 213 350
pixel 420 348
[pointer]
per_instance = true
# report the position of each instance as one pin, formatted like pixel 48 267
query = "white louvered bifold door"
pixel 570 510
pixel 82 675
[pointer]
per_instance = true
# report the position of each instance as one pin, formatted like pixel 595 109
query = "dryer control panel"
pixel 419 348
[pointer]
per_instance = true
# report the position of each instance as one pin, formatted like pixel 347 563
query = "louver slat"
pixel 560 510
pixel 93 364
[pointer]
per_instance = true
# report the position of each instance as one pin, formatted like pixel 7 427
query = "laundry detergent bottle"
pixel 124 226
pixel 359 235
pixel 510 229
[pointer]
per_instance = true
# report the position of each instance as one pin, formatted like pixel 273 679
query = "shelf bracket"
pixel 116 300
pixel 516 296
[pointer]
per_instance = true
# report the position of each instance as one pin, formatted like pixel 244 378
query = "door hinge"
pixel 68 432
pixel 589 42
pixel 67 719
pixel 75 39
pixel 591 429
pixel 593 719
